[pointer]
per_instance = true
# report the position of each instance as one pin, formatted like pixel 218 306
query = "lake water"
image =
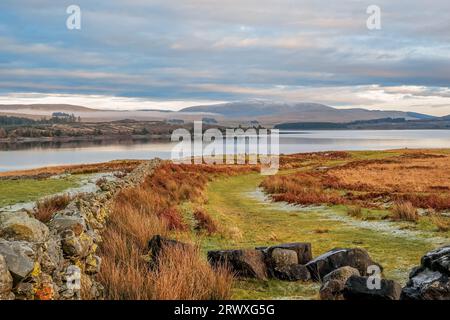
pixel 40 155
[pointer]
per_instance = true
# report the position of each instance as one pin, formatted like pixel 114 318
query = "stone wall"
pixel 59 260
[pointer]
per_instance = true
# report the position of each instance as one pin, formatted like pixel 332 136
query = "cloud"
pixel 196 50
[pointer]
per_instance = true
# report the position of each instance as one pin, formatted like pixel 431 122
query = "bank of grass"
pixel 26 190
pixel 247 222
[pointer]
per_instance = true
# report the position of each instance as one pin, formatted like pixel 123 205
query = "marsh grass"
pixel 404 211
pixel 47 207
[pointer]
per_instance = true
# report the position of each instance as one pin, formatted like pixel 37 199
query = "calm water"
pixel 33 156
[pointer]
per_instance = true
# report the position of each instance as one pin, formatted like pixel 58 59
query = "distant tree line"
pixel 57 117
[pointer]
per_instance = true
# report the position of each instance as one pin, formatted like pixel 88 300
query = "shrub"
pixel 404 211
pixel 47 207
pixel 355 212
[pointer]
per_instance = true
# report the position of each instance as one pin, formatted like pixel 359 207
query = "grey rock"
pixel 437 260
pixel 245 263
pixel 293 272
pixel 20 226
pixel 334 283
pixel 20 257
pixel 303 250
pixel 284 258
pixel 356 288
pixel 431 280
pixel 68 219
pixel 6 280
pixel 356 257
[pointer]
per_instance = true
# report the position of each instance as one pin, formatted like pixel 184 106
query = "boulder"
pixel 437 260
pixel 303 250
pixel 283 257
pixel 20 226
pixel 293 272
pixel 245 263
pixel 431 280
pixel 356 288
pixel 337 258
pixel 20 257
pixel 6 280
pixel 334 283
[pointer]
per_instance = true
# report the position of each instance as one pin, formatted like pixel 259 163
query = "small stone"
pixel 6 280
pixel 93 264
pixel 69 219
pixel 20 257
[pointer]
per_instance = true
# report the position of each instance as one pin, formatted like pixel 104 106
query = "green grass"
pixel 246 223
pixel 26 190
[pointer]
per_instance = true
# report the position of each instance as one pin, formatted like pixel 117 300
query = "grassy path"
pixel 248 222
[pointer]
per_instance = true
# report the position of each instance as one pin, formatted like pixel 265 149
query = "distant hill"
pixel 275 112
pixel 255 111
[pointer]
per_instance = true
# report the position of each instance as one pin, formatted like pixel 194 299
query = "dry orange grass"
pixel 404 175
pixel 204 222
pixel 442 224
pixel 421 178
pixel 301 188
pixel 404 211
pixel 47 207
pixel 183 275
pixel 139 213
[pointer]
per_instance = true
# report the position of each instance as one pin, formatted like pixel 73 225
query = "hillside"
pixel 275 112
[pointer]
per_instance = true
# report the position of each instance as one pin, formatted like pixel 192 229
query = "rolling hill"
pixel 274 112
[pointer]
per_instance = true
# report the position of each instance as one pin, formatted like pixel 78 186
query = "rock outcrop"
pixel 430 281
pixel 59 260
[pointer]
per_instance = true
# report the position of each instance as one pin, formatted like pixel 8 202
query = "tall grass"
pixel 204 221
pixel 137 214
pixel 404 211
pixel 47 207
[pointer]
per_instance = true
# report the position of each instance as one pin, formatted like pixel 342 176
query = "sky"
pixel 164 54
